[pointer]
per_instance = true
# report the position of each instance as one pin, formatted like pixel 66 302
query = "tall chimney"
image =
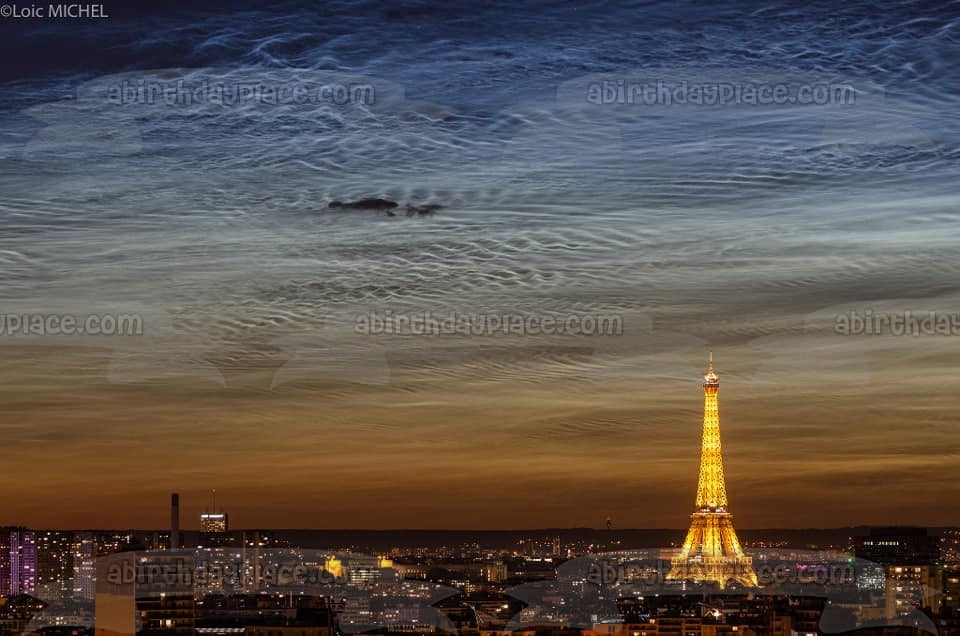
pixel 175 521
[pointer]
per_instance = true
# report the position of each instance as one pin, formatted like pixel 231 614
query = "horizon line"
pixel 536 529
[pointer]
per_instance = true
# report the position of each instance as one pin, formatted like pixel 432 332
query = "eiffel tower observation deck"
pixel 711 552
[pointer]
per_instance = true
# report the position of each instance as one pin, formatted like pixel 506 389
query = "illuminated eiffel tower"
pixel 711 551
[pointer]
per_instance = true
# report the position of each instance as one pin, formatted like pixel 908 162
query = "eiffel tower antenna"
pixel 711 552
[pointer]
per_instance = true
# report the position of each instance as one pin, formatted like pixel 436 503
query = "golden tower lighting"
pixel 711 552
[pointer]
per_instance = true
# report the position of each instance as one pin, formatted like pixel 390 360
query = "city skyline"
pixel 410 318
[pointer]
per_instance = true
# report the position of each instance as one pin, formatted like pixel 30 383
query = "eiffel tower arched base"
pixel 711 553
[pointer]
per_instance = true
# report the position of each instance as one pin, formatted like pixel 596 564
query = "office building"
pixel 18 561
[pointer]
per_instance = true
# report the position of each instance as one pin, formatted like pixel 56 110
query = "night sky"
pixel 754 231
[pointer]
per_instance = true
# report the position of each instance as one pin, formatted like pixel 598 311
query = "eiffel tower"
pixel 711 552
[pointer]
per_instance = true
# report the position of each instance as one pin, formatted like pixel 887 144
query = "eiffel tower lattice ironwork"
pixel 711 552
